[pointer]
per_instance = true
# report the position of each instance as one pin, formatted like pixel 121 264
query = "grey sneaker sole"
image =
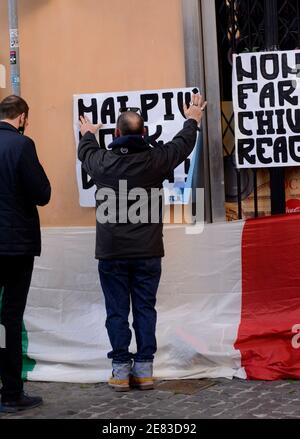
pixel 117 388
pixel 142 386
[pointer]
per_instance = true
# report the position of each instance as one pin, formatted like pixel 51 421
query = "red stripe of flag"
pixel 270 298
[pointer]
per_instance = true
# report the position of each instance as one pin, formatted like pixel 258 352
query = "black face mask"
pixel 21 130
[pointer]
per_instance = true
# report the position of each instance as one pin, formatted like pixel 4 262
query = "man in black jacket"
pixel 23 186
pixel 130 250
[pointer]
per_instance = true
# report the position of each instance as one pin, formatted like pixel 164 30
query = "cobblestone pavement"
pixel 225 399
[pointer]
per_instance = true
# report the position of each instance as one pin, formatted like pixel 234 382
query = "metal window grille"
pixel 240 28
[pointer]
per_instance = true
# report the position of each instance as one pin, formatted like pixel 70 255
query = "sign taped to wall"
pixel 163 113
pixel 266 98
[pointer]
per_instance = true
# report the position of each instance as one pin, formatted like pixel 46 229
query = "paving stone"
pixel 226 399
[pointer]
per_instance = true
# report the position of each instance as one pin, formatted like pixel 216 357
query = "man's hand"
pixel 87 126
pixel 196 108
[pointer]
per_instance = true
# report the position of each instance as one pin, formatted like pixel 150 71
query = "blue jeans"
pixel 138 280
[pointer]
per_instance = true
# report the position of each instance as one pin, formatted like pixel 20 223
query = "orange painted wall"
pixel 4 42
pixel 75 46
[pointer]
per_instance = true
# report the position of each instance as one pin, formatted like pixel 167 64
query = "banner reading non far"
pixel 266 101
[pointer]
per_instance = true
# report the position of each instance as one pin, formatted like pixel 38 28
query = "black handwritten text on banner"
pixel 163 113
pixel 266 100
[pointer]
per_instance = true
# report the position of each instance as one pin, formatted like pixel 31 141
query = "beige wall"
pixel 86 46
pixel 4 41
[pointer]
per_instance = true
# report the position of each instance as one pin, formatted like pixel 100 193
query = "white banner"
pixel 266 92
pixel 163 113
pixel 198 304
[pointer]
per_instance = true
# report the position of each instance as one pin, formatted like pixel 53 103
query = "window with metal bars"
pixel 241 28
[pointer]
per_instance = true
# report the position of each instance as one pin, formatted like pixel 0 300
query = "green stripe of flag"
pixel 28 363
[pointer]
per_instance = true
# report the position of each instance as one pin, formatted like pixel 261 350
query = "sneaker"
pixel 119 380
pixel 25 402
pixel 142 376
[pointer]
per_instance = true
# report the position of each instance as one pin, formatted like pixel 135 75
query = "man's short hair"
pixel 12 106
pixel 130 123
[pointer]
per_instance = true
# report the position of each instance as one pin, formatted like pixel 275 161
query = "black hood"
pixel 129 144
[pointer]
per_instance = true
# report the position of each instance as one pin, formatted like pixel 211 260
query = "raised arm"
pixel 89 152
pixel 168 156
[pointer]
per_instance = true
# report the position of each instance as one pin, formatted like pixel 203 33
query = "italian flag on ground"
pixel 228 305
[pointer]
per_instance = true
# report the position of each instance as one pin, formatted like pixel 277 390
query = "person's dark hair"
pixel 130 123
pixel 12 106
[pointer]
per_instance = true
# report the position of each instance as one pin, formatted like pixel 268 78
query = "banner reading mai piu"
pixel 163 113
pixel 266 99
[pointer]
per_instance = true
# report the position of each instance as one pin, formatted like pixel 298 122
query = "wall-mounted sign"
pixel 163 113
pixel 266 99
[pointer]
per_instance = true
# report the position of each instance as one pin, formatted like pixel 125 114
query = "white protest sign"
pixel 266 98
pixel 163 113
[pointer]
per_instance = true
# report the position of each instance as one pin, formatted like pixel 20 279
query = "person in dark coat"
pixel 130 250
pixel 23 186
